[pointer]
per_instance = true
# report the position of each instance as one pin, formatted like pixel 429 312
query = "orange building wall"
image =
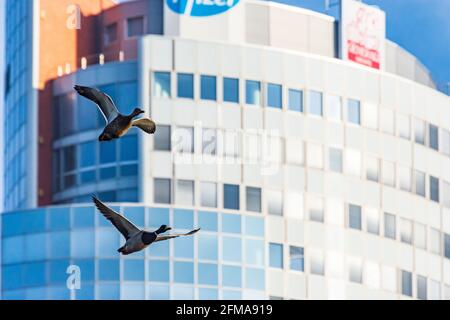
pixel 61 46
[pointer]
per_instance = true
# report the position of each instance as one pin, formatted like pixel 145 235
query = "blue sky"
pixel 420 26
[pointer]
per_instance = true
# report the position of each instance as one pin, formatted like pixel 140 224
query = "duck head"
pixel 137 112
pixel 163 229
pixel 104 137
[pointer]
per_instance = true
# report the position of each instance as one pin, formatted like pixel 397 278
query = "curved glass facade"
pixel 226 260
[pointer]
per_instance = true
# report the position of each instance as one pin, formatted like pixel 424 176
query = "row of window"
pixel 134 27
pixel 291 204
pixel 332 106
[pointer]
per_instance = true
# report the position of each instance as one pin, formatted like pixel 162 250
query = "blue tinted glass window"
pixel 184 247
pixel 35 247
pixel 207 294
pixel 12 276
pixel 159 249
pixel 107 196
pixel 88 115
pixel 354 217
pixel 127 97
pixel 406 283
pixel 231 90
pixel 315 103
pixel 12 224
pixel 353 111
pixel 108 152
pixel 83 217
pixel 59 219
pixel 129 170
pixel 183 293
pixel 276 255
pixel 86 292
pixel 274 95
pixel 254 251
pixel 57 271
pixel 132 291
pixel 108 270
pixel 207 247
pixel 253 92
pixel 254 226
pixel 159 292
pixel 82 243
pixel 296 258
pixel 133 270
pixel 87 154
pixel 13 250
pixel 434 189
pixel 207 220
pixel 295 100
pixel 185 85
pixel 434 137
pixel 231 276
pixel 107 242
pixel 34 274
pixel 87 268
pixel 183 219
pixel 59 245
pixel 161 84
pixel 108 291
pixel 208 88
pixel 231 223
pixel 158 216
pixel 183 272
pixel 253 199
pixel 127 195
pixel 87 176
pixel 58 293
pixel 159 270
pixel 128 148
pixel 231 295
pixel 447 245
pixel 162 191
pixel 231 196
pixel 135 214
pixel 254 279
pixel 231 249
pixel 34 221
pixel 207 273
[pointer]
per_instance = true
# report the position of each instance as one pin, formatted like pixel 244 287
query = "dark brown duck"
pixel 117 123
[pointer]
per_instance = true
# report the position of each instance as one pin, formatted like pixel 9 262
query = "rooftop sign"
pixel 201 8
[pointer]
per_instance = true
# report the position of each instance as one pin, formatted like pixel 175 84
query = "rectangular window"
pixel 315 156
pixel 372 220
pixel 390 226
pixel 110 33
pixel 406 231
pixel 274 95
pixel 446 194
pixel 445 141
pixel 433 132
pixel 404 178
pixel 353 162
pixel 421 287
pixel 403 127
pixel 231 196
pixel 371 116
pixel 316 209
pixel 185 192
pixel 317 265
pixel 135 26
pixel 231 90
pixel 434 189
pixel 161 191
pixel 276 255
pixel 295 152
pixel 447 245
pixel 435 241
pixel 295 100
pixel 335 159
pixel 208 195
pixel 253 199
pixel 184 137
pixel 406 283
pixel 293 205
pixel 354 217
pixel 355 270
pixel 253 92
pixel 315 103
pixel 161 84
pixel 208 88
pixel 334 108
pixel 274 202
pixel 419 131
pixel 420 183
pixel 372 169
pixel 435 290
pixel 185 85
pixel 162 138
pixel 353 111
pixel 420 236
pixel 296 258
pixel 388 173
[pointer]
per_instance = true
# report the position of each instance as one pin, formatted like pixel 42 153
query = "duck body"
pixel 119 126
pixel 138 242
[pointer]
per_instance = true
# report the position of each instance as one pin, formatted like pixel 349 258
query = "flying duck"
pixel 136 239
pixel 117 124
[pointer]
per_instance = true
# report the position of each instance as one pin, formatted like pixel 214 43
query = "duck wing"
pixel 125 227
pixel 103 101
pixel 171 236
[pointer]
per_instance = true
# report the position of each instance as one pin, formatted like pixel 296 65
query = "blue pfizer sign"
pixel 201 8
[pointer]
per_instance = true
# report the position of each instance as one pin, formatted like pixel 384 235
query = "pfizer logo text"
pixel 201 8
